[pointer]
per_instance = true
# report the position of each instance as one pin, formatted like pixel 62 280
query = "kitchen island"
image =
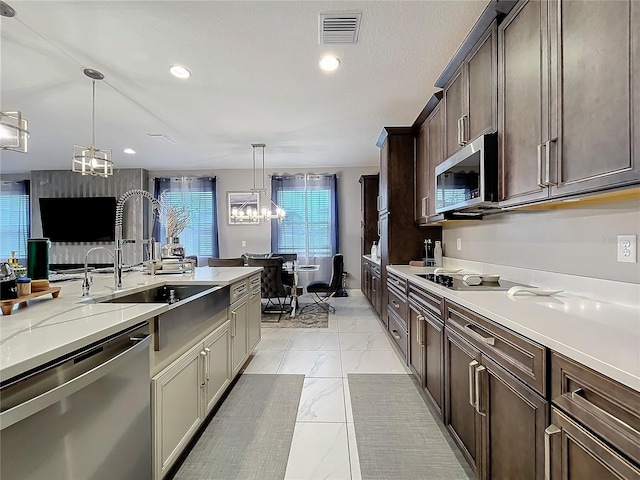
pixel 198 345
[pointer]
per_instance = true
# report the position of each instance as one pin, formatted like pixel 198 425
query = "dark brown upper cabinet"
pixel 565 126
pixel 470 96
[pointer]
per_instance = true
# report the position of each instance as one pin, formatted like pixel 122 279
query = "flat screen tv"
pixel 82 219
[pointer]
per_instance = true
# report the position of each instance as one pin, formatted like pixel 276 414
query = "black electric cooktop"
pixel 455 282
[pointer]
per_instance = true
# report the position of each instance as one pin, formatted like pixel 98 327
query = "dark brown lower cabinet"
pixel 495 419
pixel 376 290
pixel 577 454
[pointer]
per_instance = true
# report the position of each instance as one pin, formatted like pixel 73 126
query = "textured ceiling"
pixel 255 79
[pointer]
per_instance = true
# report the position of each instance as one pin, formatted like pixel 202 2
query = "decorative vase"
pixel 173 248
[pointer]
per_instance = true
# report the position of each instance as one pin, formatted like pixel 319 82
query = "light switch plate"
pixel 244 243
pixel 627 248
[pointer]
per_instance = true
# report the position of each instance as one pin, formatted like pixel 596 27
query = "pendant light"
pixel 91 160
pixel 270 209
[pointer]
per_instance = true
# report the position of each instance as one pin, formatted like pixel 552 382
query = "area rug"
pixel 310 319
pixel 396 433
pixel 250 436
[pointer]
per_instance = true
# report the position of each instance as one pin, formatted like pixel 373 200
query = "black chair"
pixel 287 277
pixel 272 287
pixel 328 289
pixel 226 262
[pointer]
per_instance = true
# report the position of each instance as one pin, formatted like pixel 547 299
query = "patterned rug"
pixel 309 319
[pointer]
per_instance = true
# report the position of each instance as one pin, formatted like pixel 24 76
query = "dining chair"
pixel 328 290
pixel 226 262
pixel 271 287
pixel 288 277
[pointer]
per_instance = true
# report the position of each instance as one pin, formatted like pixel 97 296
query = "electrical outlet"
pixel 459 243
pixel 627 248
pixel 244 243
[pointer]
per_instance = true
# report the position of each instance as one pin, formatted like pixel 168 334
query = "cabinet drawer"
pixel 398 332
pixel 609 409
pixel 396 282
pixel 398 305
pixel 238 290
pixel 520 356
pixel 428 302
pixel 375 269
pixel 254 282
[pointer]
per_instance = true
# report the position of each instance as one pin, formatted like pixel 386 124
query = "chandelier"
pixel 269 210
pixel 91 160
pixel 13 132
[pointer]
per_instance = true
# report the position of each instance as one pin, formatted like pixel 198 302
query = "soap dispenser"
pixel 437 254
pixel 374 250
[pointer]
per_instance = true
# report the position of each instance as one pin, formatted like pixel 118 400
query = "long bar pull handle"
pixel 420 330
pixel 207 350
pixel 472 370
pixel 550 430
pixel 487 340
pixel 203 354
pixel 547 146
pixel 540 179
pixel 460 132
pixel 463 130
pixel 478 372
pixel 578 397
pixel 233 324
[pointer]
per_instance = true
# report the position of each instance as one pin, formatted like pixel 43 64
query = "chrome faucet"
pixel 117 259
pixel 88 280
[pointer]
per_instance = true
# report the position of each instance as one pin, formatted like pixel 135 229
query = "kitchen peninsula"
pixel 194 354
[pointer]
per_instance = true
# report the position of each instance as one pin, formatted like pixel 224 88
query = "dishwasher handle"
pixel 34 405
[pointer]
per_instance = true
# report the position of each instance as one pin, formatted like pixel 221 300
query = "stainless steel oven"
pixel 467 182
pixel 86 415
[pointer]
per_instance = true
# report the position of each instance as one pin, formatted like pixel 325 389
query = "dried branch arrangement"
pixel 175 218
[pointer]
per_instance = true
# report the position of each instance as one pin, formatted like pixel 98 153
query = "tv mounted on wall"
pixel 78 219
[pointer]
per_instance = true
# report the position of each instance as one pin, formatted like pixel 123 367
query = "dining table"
pixel 293 268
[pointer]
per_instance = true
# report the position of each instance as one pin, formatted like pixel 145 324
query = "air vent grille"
pixel 339 27
pixel 162 138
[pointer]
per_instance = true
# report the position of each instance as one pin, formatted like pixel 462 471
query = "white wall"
pixel 258 237
pixel 578 241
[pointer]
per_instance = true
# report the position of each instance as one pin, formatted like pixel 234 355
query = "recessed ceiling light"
pixel 179 71
pixel 329 63
pixel 130 151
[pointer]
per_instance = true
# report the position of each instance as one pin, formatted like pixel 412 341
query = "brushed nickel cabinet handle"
pixel 540 179
pixel 395 304
pixel 550 430
pixel 203 355
pixel 578 397
pixel 419 330
pixel 378 202
pixel 472 370
pixel 463 131
pixel 478 372
pixel 488 340
pixel 460 132
pixel 395 334
pixel 424 207
pixel 547 146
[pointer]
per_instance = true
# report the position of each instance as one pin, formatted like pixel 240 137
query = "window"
pixel 200 237
pixel 14 218
pixel 310 228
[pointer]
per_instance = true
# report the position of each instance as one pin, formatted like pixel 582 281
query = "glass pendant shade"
pixel 13 132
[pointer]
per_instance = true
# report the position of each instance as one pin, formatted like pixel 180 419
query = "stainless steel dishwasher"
pixel 84 416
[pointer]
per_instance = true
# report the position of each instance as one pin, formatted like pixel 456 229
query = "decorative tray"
pixel 7 305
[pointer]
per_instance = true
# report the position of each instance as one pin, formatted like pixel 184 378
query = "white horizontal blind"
pixel 197 238
pixel 14 219
pixel 306 230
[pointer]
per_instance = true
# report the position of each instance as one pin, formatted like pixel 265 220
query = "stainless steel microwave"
pixel 467 182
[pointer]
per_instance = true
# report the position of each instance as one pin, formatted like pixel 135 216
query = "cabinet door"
pixel 435 140
pixel 254 315
pixel 238 335
pixel 515 417
pixel 576 454
pixel 376 294
pixel 433 331
pixel 217 364
pixel 462 420
pixel 454 110
pixel 422 176
pixel 595 109
pixel 482 91
pixel 416 342
pixel 522 91
pixel 177 408
pixel 385 152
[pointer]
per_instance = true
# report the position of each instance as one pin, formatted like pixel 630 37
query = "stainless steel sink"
pixel 161 294
pixel 188 307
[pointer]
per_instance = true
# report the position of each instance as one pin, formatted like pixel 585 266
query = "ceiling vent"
pixel 162 138
pixel 339 27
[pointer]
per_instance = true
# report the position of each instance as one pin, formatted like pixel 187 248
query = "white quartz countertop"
pixel 375 260
pixel 49 328
pixel 603 336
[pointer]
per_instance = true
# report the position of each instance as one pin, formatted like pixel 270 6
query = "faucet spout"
pixel 88 281
pixel 117 259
